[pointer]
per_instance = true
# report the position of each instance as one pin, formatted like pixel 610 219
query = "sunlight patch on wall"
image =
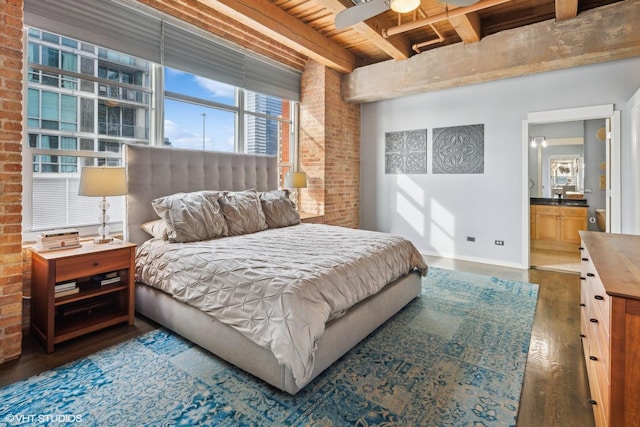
pixel 442 230
pixel 410 203
pixel 410 213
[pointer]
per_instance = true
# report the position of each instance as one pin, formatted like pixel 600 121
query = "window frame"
pixel 155 120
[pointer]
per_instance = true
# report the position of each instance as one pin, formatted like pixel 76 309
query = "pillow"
pixel 191 217
pixel 243 212
pixel 279 210
pixel 157 228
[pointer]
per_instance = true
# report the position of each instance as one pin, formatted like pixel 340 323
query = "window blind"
pixel 137 30
pixel 104 23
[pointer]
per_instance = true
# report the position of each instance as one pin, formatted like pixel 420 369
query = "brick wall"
pixel 10 179
pixel 342 153
pixel 312 137
pixel 329 148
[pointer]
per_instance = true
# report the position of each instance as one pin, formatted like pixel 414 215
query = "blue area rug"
pixel 455 356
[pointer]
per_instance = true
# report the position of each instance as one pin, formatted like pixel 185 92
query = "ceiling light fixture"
pixel 404 6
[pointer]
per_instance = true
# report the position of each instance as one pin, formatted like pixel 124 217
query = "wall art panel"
pixel 458 149
pixel 405 152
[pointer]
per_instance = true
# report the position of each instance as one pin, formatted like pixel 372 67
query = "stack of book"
pixel 106 278
pixel 67 288
pixel 58 239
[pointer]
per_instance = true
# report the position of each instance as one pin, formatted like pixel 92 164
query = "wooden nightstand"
pixel 94 306
pixel 311 218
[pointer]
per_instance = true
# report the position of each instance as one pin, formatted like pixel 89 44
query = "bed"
pixel 292 356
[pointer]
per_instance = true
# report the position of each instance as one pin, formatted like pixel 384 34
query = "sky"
pixel 184 123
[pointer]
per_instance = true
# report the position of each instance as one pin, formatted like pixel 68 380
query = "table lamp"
pixel 103 181
pixel 295 180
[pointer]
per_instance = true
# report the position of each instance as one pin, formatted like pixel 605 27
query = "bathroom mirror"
pixel 566 176
pixel 556 159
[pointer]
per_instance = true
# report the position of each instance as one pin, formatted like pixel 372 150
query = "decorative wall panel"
pixel 405 152
pixel 458 149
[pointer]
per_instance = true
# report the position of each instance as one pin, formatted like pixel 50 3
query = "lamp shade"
pixel 101 181
pixel 295 180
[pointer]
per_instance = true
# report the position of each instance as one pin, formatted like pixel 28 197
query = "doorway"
pixel 610 170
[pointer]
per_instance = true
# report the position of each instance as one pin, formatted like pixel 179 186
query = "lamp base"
pixel 103 240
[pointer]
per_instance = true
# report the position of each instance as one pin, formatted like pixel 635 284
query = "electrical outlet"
pixel 471 239
pixel 500 242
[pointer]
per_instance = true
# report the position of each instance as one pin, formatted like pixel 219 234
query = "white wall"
pixel 437 212
pixel 632 185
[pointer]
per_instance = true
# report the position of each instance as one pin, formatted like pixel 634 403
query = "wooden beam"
pixel 566 9
pixel 603 34
pixel 397 48
pixel 447 14
pixel 275 23
pixel 468 27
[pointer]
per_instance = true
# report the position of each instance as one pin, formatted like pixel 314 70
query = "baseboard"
pixel 497 262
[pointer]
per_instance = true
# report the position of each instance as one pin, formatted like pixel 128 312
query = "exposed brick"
pixel 11 258
pixel 11 305
pixel 11 289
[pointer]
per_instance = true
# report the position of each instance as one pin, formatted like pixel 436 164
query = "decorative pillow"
pixel 279 210
pixel 157 228
pixel 243 212
pixel 191 217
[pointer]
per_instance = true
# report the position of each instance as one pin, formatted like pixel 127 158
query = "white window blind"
pixel 69 209
pixel 136 29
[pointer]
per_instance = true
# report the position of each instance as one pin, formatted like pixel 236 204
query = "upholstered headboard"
pixel 154 172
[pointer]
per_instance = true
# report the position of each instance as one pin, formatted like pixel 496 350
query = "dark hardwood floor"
pixel 555 389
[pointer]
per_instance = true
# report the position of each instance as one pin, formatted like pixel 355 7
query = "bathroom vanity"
pixel 555 223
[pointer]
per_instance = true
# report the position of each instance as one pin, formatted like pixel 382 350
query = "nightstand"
pixel 96 304
pixel 312 218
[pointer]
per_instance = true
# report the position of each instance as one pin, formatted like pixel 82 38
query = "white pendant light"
pixel 404 6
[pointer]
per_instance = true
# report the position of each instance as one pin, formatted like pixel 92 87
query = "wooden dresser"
pixel 610 325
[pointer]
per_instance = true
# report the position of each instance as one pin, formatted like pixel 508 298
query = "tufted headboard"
pixel 155 171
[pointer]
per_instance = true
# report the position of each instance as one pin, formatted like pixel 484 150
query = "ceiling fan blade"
pixel 360 12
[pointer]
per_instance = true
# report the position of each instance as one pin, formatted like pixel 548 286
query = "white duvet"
pixel 279 287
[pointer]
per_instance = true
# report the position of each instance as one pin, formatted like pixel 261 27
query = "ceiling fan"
pixel 365 9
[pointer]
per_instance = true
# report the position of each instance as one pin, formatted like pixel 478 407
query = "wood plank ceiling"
pixel 308 25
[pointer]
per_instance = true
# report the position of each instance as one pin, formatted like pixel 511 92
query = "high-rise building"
pixel 262 134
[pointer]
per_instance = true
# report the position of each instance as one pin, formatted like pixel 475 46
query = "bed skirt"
pixel 340 335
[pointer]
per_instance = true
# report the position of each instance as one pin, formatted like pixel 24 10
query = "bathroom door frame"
pixel 605 111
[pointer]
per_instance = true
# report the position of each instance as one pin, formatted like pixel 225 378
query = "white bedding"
pixel 279 287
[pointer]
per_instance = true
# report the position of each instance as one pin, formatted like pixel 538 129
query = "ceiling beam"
pixel 566 9
pixel 447 14
pixel 397 48
pixel 468 27
pixel 604 34
pixel 275 23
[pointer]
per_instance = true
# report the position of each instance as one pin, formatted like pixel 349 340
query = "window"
pixel 85 101
pixel 200 113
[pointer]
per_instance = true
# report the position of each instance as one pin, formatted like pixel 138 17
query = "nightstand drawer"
pixel 90 264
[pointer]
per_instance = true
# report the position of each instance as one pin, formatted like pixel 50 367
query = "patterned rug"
pixel 455 356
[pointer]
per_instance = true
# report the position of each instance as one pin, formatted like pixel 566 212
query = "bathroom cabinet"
pixel 557 227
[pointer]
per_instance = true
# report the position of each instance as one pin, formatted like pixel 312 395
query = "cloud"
pixel 181 138
pixel 217 89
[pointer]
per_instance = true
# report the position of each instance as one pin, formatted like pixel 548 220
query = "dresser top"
pixel 616 258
